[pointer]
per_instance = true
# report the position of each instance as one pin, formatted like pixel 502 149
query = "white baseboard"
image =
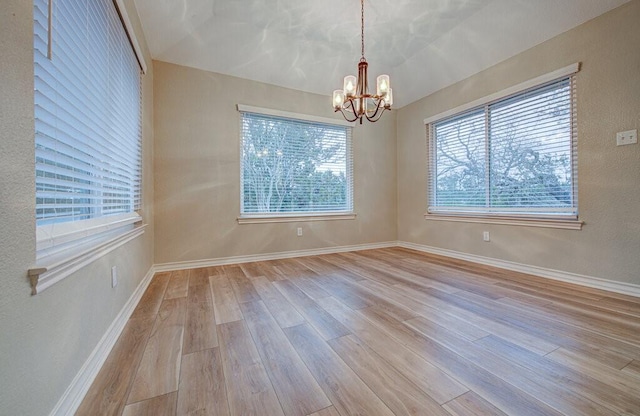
pixel 181 265
pixel 579 279
pixel 588 281
pixel 72 397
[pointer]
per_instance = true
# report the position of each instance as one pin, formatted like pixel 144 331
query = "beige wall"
pixel 45 339
pixel 197 170
pixel 609 177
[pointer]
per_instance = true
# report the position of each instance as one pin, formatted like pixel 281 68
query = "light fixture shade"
pixel 383 85
pixel 388 100
pixel 338 99
pixel 350 83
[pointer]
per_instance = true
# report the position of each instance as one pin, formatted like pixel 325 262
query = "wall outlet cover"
pixel 627 137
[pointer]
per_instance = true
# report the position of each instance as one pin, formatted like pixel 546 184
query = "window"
pixel 88 119
pixel 294 167
pixel 514 156
pixel 87 105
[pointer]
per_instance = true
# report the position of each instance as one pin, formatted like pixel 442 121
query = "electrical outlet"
pixel 299 231
pixel 486 236
pixel 114 276
pixel 627 137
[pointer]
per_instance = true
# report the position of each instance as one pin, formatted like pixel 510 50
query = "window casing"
pixel 88 122
pixel 292 167
pixel 511 157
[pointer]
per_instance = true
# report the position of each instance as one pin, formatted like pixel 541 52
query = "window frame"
pixel 506 218
pixel 297 216
pixel 64 247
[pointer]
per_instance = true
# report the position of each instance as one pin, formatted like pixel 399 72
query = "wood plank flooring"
pixel 376 332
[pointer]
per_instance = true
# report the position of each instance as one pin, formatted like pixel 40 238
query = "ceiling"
pixel 424 45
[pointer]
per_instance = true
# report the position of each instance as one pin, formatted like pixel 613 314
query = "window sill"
pixel 57 237
pixel 259 219
pixel 567 224
pixel 54 268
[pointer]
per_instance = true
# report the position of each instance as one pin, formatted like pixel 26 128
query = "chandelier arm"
pixel 378 102
pixel 373 118
pixel 345 116
pixel 351 106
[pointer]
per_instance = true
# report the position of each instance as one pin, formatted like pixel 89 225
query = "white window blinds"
pixel 294 166
pixel 87 112
pixel 514 156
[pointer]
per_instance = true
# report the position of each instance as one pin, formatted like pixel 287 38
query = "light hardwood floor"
pixel 377 332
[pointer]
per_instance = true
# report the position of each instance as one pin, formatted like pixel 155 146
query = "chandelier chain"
pixel 362 26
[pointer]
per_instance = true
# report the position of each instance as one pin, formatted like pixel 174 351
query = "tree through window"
pixel 294 166
pixel 513 156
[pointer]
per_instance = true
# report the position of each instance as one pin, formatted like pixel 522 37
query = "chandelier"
pixel 354 100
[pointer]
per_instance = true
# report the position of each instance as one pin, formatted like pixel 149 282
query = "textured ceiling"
pixel 424 45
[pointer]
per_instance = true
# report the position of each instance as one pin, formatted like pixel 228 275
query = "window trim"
pixel 534 82
pixel 52 238
pixel 534 220
pixel 58 266
pixel 281 217
pixel 131 34
pixel 329 216
pixel 242 108
pixel 540 222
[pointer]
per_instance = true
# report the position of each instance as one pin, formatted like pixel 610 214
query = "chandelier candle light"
pixel 354 100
